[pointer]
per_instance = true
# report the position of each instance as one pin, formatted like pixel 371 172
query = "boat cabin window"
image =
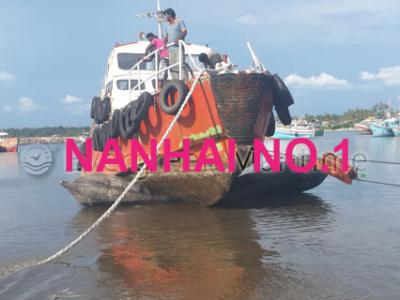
pixel 123 84
pixel 134 83
pixel 127 60
pixel 109 87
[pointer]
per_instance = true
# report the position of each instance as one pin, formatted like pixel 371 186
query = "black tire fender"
pixel 140 107
pixel 113 128
pixel 282 100
pixel 103 110
pixel 173 85
pixel 127 127
pixel 93 107
pixel 271 126
pixel 97 138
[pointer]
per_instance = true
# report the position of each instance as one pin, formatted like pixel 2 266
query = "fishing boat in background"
pixel 8 144
pixel 298 129
pixel 319 129
pixel 394 124
pixel 364 127
pixel 382 128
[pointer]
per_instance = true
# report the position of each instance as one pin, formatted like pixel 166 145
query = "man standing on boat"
pixel 176 31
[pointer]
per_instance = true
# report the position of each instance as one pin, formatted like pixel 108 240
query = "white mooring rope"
pixel 121 197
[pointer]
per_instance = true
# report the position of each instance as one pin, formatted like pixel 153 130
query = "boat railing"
pixel 156 72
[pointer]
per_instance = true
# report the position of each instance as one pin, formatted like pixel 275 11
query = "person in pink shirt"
pixel 157 43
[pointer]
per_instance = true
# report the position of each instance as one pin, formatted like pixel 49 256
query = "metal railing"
pixel 180 64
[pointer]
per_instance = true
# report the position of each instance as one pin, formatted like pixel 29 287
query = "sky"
pixel 333 55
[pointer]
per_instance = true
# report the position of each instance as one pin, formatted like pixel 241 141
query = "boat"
pixel 219 104
pixel 8 144
pixel 298 129
pixel 381 128
pixel 364 127
pixel 319 130
pixel 394 124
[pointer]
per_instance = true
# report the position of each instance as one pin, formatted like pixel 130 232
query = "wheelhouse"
pixel 127 75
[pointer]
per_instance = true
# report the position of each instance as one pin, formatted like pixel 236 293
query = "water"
pixel 335 242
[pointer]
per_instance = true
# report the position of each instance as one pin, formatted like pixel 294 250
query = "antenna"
pixel 158 15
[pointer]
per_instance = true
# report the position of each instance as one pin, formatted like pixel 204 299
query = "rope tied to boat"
pixel 122 196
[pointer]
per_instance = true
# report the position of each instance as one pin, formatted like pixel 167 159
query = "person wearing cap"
pixel 157 43
pixel 176 31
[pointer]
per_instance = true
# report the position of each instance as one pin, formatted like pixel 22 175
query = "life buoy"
pixel 95 102
pixel 113 127
pixel 127 126
pixel 102 110
pixel 282 100
pixel 168 91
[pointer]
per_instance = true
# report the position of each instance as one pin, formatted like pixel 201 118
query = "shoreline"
pixel 46 140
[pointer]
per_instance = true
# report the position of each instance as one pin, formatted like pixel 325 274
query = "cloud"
pixel 26 105
pixel 6 77
pixel 75 105
pixel 69 99
pixel 247 19
pixel 322 80
pixel 6 109
pixel 387 76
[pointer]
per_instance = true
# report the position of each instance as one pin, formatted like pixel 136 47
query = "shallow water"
pixel 335 242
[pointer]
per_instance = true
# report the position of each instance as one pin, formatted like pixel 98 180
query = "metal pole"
pixel 180 60
pixel 157 69
pixel 159 21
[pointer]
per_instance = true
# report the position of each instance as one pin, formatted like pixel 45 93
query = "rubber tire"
pixel 93 107
pixel 127 127
pixel 113 128
pixel 181 88
pixel 82 149
pixel 271 126
pixel 106 133
pixel 140 107
pixel 97 138
pixel 103 110
pixel 282 100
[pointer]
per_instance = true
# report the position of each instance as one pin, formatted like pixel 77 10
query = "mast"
pixel 159 20
pixel 158 15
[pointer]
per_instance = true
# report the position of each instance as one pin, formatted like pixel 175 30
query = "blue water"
pixel 335 242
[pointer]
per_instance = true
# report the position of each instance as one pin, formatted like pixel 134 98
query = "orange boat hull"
pixel 208 115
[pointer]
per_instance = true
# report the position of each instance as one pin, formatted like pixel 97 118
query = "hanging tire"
pixel 97 138
pixel 113 128
pixel 140 107
pixel 282 100
pixel 95 102
pixel 170 87
pixel 103 110
pixel 127 127
pixel 271 126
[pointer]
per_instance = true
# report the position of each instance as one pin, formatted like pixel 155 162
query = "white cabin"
pixel 123 73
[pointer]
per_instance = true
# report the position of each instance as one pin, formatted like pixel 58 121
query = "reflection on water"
pixel 9 165
pixel 337 242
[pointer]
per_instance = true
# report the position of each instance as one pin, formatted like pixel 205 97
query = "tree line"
pixel 47 131
pixel 352 116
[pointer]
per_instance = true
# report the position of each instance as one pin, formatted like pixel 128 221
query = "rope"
pixel 378 162
pixel 121 197
pixel 378 182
